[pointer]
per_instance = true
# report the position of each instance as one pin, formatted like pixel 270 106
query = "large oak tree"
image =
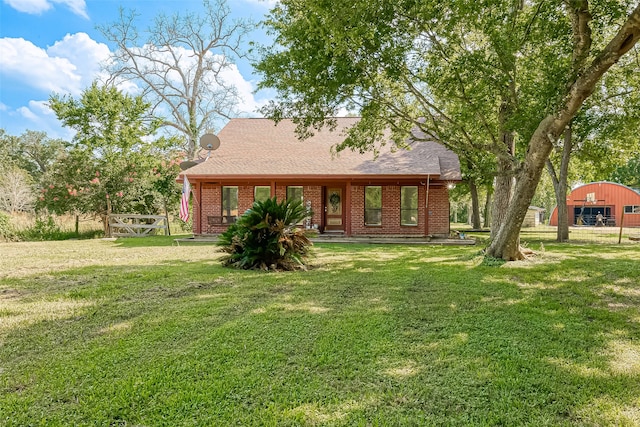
pixel 504 77
pixel 179 62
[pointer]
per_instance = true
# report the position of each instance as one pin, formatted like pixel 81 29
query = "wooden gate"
pixel 134 225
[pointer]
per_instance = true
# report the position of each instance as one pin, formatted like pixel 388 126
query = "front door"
pixel 334 209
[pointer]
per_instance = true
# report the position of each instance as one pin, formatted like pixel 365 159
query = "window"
pixel 632 209
pixel 373 206
pixel 295 193
pixel 229 203
pixel 409 205
pixel 261 193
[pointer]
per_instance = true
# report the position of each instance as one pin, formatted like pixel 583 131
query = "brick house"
pixel 399 193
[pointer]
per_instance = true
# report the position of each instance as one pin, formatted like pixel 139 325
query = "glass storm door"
pixel 333 208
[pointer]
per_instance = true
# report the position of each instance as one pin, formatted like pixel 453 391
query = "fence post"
pixel 621 225
pixel 108 228
pixel 166 215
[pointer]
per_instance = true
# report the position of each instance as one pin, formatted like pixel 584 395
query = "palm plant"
pixel 267 237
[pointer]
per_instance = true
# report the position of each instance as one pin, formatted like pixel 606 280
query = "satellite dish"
pixel 209 141
pixel 187 164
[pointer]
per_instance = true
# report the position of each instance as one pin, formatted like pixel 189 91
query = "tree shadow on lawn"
pixel 442 342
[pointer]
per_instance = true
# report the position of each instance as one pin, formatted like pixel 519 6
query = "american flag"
pixel 184 202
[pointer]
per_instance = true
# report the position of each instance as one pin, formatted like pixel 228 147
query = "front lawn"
pixel 143 332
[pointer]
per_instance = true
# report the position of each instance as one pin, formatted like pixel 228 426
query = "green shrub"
pixel 7 232
pixel 266 237
pixel 44 229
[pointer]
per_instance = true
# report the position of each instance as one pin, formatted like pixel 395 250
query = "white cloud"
pixel 84 53
pixel 36 111
pixel 38 116
pixel 42 108
pixel 265 3
pixel 248 104
pixel 28 114
pixel 79 7
pixel 37 7
pixel 33 7
pixel 29 64
pixel 66 67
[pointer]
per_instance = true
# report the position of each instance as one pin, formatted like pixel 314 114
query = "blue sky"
pixel 49 46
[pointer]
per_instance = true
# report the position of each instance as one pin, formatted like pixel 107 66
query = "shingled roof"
pixel 259 147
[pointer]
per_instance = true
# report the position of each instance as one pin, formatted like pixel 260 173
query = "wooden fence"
pixel 134 225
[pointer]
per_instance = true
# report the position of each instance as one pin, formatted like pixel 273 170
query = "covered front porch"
pixel 384 207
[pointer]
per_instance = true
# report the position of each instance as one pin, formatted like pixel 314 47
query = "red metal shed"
pixel 609 199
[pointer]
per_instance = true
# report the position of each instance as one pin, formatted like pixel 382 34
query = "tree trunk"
pixel 503 185
pixel 487 207
pixel 475 205
pixel 502 196
pixel 562 234
pixel 506 243
pixel 560 186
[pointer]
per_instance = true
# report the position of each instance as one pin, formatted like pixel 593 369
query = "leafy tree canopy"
pixel 628 174
pixel 113 160
pixel 442 66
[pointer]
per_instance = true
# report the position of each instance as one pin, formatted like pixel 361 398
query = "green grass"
pixel 144 332
pixel 577 234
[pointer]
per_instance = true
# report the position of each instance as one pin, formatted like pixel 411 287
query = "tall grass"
pixel 21 226
pixel 32 227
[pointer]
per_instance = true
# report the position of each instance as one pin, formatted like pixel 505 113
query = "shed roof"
pixel 259 147
pixel 628 191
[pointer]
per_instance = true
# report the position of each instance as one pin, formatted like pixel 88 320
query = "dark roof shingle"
pixel 257 146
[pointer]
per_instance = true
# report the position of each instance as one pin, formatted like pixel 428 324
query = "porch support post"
pixel 347 205
pixel 197 208
pixel 426 208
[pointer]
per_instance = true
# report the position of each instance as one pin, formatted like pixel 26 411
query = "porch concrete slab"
pixel 393 240
pixel 322 238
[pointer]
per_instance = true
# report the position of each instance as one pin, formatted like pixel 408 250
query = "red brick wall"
pixel 313 193
pixel 281 192
pixel 438 208
pixel 439 211
pixel 210 205
pixel 246 196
